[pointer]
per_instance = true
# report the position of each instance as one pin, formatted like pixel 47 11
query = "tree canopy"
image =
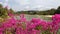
pixel 4 11
pixel 58 10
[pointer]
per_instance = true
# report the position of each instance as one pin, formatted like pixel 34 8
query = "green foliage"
pixel 58 10
pixel 44 12
pixel 47 12
pixel 4 11
pixel 11 10
pixel 1 6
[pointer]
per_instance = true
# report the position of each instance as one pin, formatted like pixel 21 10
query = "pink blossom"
pixel 23 26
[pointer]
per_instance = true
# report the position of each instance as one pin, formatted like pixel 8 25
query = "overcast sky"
pixel 31 4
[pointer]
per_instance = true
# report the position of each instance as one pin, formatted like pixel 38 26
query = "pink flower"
pixel 35 31
pixel 24 26
pixel 1 32
pixel 35 20
pixel 22 15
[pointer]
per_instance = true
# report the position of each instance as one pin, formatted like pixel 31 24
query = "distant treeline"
pixel 46 12
pixel 4 11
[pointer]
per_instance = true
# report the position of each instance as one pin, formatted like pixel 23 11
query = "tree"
pixel 3 11
pixel 58 10
pixel 1 6
pixel 11 11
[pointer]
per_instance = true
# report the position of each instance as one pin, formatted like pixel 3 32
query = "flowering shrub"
pixel 35 26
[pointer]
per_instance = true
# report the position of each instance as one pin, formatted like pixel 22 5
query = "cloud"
pixel 32 4
pixel 6 0
pixel 22 2
pixel 1 3
pixel 35 4
pixel 5 3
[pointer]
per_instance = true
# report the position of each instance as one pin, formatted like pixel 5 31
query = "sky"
pixel 19 5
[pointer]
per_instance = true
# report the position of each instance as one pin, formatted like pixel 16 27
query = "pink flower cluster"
pixel 34 26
